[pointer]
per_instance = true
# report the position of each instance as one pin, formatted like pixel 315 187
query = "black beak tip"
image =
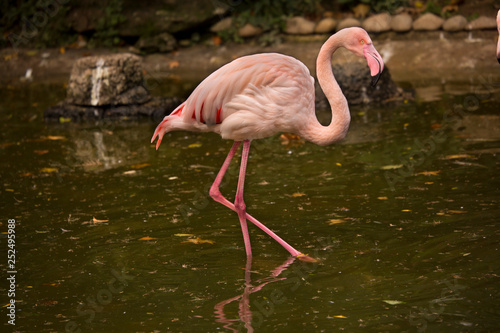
pixel 498 60
pixel 375 79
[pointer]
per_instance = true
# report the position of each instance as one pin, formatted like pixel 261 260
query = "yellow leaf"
pixel 146 238
pixel 48 170
pixel 335 221
pixel 198 240
pixel 340 316
pixel 406 210
pixel 194 145
pixel 183 235
pixel 298 194
pixel 62 50
pixel 129 172
pixel 9 189
pixel 382 198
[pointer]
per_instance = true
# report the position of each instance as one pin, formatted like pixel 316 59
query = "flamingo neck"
pixel 337 130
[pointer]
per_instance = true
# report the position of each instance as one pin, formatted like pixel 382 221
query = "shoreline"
pixel 435 57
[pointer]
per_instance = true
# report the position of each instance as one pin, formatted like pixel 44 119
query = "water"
pixel 113 236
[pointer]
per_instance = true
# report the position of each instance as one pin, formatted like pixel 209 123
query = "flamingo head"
pixel 360 43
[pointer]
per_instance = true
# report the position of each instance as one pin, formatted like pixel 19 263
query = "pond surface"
pixel 114 236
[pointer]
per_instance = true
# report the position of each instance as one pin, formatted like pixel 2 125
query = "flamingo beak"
pixel 374 61
pixel 498 50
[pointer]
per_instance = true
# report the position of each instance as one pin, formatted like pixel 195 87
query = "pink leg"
pixel 217 196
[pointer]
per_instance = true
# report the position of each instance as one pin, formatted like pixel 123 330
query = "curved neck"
pixel 337 130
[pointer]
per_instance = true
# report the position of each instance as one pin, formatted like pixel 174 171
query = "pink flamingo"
pixel 257 96
pixel 498 45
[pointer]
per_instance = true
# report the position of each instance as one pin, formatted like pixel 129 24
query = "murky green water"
pixel 113 236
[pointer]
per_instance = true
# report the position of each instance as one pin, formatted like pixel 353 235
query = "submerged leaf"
pixel 194 145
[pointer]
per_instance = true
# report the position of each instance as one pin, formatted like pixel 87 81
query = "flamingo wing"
pixel 253 84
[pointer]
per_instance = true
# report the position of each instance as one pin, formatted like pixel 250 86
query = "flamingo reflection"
pixel 244 312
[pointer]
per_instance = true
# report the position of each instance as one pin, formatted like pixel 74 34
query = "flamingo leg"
pixel 217 196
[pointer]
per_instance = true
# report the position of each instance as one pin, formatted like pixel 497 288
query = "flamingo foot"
pixel 306 258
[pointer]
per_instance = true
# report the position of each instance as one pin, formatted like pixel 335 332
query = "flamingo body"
pixel 249 98
pixel 259 95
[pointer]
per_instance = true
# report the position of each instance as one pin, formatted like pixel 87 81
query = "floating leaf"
pixel 429 173
pixel 140 165
pixel 456 211
pixel 55 137
pixel 335 221
pixel 146 238
pixel 392 302
pixel 41 231
pixel 339 316
pixel 263 183
pixel 95 221
pixel 173 64
pixel 406 210
pixel 298 194
pixel 40 152
pixel 183 235
pixel 382 198
pixel 452 157
pixel 173 178
pixel 63 120
pixel 391 166
pixel 194 145
pixel 129 172
pixel 48 170
pixel 198 241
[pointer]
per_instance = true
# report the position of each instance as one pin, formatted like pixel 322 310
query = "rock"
pixel 155 109
pixel 401 23
pixel 107 80
pixel 361 10
pixel 222 25
pixel 355 81
pixel 162 43
pixel 348 23
pixel 170 16
pixel 299 26
pixel 428 22
pixel 378 23
pixel 482 22
pixel 325 26
pixel 455 23
pixel 249 30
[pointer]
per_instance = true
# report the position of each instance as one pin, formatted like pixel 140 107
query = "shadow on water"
pixel 114 236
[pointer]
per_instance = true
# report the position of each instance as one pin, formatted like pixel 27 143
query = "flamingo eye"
pixel 362 41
